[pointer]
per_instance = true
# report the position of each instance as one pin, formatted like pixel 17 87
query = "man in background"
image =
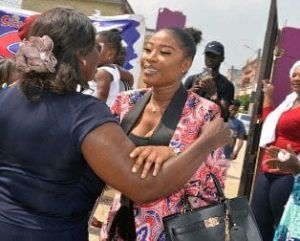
pixel 210 83
pixel 238 132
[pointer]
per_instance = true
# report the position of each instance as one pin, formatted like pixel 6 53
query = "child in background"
pixel 107 81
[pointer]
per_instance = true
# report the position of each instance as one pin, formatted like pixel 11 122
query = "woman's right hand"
pixel 148 156
pixel 268 88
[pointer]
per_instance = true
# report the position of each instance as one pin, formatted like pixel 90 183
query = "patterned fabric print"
pixel 148 217
pixel 288 229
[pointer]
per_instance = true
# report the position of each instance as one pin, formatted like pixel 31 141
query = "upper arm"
pixel 107 149
pixel 231 92
pixel 227 95
pixel 127 76
pixel 103 80
pixel 266 111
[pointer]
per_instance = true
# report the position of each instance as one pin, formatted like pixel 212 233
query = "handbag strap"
pixel 218 186
pixel 221 196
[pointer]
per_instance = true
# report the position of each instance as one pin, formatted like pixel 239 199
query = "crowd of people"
pixel 73 124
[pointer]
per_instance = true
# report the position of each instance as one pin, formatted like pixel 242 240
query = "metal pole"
pixel 252 149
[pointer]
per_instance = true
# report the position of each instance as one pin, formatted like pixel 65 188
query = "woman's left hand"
pixel 148 156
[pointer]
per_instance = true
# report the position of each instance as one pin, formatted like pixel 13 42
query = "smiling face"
pixel 295 80
pixel 163 62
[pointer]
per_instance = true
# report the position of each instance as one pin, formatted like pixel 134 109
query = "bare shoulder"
pixel 103 75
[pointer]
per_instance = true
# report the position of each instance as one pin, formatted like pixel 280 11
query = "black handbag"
pixel 228 220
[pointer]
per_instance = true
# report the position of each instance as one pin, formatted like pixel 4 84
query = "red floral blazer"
pixel 148 217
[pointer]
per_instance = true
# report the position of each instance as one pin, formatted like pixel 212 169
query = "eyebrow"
pixel 161 45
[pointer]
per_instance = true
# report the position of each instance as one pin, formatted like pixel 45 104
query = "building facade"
pixel 88 7
pixel 249 76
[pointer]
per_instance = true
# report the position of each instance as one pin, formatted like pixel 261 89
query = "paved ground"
pixel 234 174
pixel 231 190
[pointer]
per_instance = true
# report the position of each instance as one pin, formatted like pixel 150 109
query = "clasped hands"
pixel 278 163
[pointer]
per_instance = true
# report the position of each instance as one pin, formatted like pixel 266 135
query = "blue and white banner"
pixel 10 21
pixel 132 29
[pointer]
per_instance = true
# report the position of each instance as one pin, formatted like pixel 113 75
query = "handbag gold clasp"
pixel 211 222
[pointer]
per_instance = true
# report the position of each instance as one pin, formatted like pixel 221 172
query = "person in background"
pixel 58 147
pixel 9 74
pixel 287 161
pixel 126 81
pixel 210 83
pixel 238 132
pixel 107 81
pixel 281 128
pixel 165 59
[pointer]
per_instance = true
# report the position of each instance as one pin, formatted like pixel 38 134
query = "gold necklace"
pixel 154 109
pixel 157 109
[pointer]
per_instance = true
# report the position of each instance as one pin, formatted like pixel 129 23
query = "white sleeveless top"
pixel 114 84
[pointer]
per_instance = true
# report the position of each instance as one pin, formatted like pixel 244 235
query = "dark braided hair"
pixel 189 39
pixel 113 37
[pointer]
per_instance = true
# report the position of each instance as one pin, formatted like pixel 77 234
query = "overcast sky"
pixel 235 23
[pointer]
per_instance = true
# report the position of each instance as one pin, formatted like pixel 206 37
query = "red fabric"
pixel 266 112
pixel 24 29
pixel 287 132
